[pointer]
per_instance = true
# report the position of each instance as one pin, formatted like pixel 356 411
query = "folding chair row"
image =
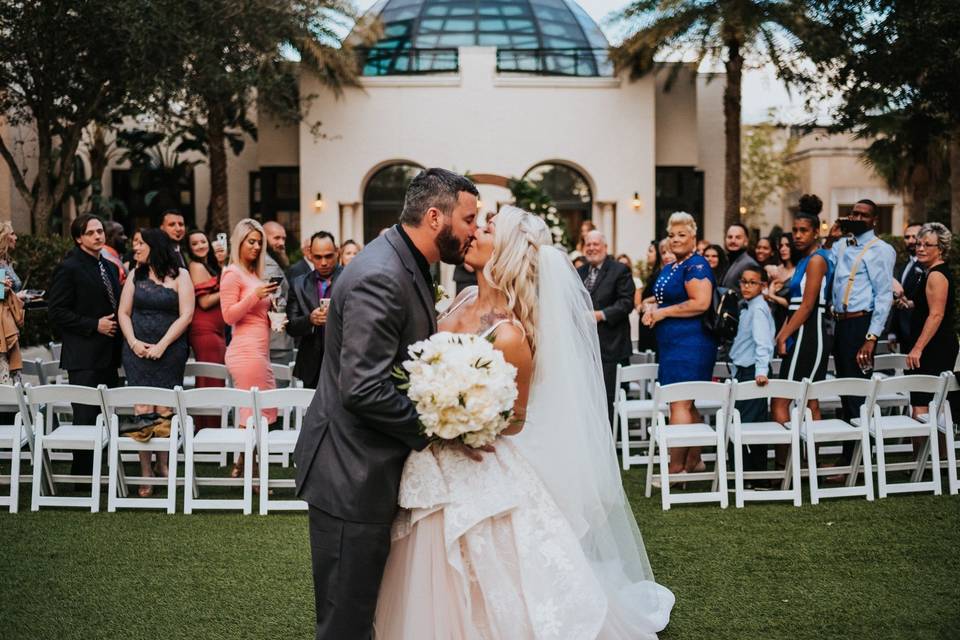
pixel 802 426
pixel 244 436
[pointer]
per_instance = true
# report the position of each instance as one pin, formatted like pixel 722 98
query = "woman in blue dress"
pixel 684 292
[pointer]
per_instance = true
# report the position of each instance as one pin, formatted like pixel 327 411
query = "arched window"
pixel 569 190
pixel 383 197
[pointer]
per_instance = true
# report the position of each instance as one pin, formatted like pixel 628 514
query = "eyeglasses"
pixel 928 245
pixel 753 283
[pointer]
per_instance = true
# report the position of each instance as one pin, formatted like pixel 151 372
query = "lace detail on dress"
pixel 697 270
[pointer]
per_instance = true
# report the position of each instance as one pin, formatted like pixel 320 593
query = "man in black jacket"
pixel 308 304
pixel 82 304
pixel 611 289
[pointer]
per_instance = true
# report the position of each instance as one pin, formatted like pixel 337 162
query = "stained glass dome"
pixel 553 37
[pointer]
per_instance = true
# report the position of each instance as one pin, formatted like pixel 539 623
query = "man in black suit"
pixel 611 288
pixel 360 428
pixel 82 304
pixel 906 280
pixel 306 314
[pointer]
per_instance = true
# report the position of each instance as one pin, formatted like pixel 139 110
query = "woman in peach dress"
pixel 245 300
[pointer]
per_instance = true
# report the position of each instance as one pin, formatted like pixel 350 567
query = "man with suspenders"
pixel 862 298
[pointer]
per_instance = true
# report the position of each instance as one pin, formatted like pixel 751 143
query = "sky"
pixel 762 92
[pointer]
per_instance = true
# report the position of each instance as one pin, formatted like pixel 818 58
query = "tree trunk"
pixel 955 180
pixel 919 191
pixel 219 209
pixel 731 130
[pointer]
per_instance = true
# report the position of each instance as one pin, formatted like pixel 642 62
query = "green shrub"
pixel 35 259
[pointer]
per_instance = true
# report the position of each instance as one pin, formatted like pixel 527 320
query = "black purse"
pixel 722 317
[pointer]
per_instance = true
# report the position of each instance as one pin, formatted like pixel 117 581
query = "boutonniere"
pixel 439 293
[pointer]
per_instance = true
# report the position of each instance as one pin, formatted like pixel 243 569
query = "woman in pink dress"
pixel 245 300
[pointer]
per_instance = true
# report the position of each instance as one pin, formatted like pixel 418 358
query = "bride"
pixel 536 539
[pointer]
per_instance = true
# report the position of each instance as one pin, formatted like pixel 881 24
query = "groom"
pixel 360 428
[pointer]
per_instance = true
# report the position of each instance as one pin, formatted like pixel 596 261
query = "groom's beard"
pixel 451 249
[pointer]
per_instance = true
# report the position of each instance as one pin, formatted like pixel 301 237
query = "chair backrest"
pixel 722 370
pixel 216 397
pixel 896 362
pixel 11 398
pixel 293 402
pixel 45 372
pixel 788 389
pixel 775 365
pixel 61 394
pixel 283 373
pixel 208 370
pixel 840 386
pixel 130 396
pixel 680 391
pixel 637 372
pixel 915 383
pixel 55 349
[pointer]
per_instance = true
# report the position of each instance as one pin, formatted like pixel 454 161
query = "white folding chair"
pixel 295 402
pixel 835 430
pixel 701 434
pixel 897 426
pixel 74 437
pixel 218 371
pixel 947 426
pixel 748 433
pixel 55 349
pixel 14 437
pixel 886 365
pixel 283 375
pixel 126 398
pixel 640 378
pixel 227 440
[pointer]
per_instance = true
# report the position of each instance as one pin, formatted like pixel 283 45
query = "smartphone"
pixel 276 280
pixel 222 239
pixel 324 304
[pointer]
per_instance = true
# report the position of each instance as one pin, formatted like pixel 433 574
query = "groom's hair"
pixel 437 188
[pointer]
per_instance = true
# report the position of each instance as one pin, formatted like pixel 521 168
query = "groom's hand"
pixel 318 316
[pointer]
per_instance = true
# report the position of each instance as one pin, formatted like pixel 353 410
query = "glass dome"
pixel 554 37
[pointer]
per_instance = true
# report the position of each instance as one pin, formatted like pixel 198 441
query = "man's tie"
pixel 107 285
pixel 591 280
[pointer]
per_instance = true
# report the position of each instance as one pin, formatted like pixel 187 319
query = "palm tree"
pixel 732 31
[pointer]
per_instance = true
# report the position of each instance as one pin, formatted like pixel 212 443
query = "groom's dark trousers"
pixel 360 429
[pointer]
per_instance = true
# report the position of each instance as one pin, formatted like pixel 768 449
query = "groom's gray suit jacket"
pixel 360 428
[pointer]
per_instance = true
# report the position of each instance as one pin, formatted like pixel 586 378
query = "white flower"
pixel 462 387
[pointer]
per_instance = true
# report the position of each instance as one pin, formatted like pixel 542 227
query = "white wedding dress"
pixel 537 540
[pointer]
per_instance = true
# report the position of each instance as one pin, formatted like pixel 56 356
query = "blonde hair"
pixel 6 230
pixel 682 219
pixel 240 232
pixel 513 268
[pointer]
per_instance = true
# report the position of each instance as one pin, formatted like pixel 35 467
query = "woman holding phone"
pixel 245 300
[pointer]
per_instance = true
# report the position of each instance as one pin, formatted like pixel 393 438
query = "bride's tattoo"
pixel 490 318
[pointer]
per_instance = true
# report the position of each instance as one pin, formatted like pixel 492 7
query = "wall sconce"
pixel 824 228
pixel 743 210
pixel 318 203
pixel 637 202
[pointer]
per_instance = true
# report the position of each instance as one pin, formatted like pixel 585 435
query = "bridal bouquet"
pixel 462 387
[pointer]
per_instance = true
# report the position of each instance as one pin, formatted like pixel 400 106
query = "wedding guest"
pixel 906 280
pixel 750 356
pixel 82 305
pixel 702 246
pixel 579 262
pixel 304 264
pixel 763 252
pixel 862 297
pixel 275 263
pixel 172 224
pixel 207 331
pixel 625 260
pixel 11 310
pixel 156 307
pixel 778 292
pixel 737 242
pixel 933 320
pixel 717 261
pixel 245 300
pixel 646 337
pixel 805 341
pixel 115 246
pixel 348 251
pixel 307 309
pixel 687 352
pixel 667 256
pixel 611 289
pixel 585 227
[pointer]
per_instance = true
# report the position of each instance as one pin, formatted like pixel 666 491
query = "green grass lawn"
pixel 842 569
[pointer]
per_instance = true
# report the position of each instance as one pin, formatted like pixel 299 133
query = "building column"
pixel 607 222
pixel 351 219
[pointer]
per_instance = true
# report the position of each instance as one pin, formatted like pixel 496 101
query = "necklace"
pixel 662 282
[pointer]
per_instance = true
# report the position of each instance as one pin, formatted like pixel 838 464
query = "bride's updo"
pixel 514 264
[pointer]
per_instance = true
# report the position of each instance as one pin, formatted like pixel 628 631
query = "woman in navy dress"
pixel 684 292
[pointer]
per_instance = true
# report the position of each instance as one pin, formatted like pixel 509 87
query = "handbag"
pixel 722 317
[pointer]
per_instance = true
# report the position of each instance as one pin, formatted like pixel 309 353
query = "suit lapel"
pixel 604 272
pixel 410 264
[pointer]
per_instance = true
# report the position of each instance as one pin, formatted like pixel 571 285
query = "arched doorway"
pixel 570 191
pixel 383 197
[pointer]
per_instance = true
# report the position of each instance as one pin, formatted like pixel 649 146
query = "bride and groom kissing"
pixel 530 538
